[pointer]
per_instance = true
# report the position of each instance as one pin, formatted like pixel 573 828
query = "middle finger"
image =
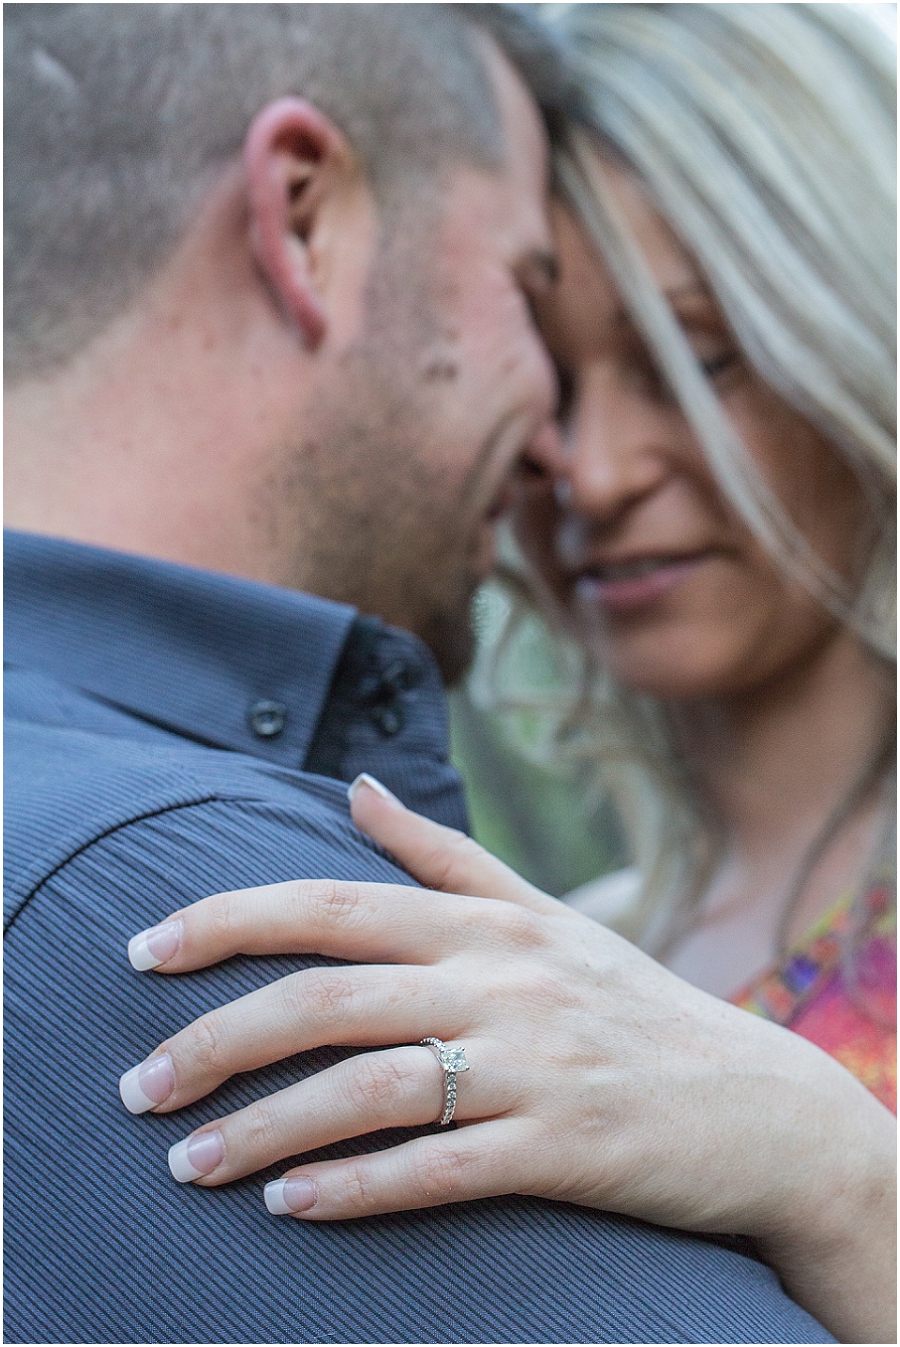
pixel 357 1006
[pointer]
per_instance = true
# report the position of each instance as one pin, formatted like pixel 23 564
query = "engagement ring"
pixel 453 1061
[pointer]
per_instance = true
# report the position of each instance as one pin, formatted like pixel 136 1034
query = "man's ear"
pixel 291 151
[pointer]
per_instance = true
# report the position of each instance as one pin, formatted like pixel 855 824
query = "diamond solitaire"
pixel 453 1062
pixel 453 1059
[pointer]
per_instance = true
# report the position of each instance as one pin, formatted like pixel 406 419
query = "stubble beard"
pixel 377 507
pixel 384 526
pixel 396 547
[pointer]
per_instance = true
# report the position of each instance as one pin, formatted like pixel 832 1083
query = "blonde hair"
pixel 765 136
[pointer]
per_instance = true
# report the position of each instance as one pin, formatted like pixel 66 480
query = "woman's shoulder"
pixel 608 897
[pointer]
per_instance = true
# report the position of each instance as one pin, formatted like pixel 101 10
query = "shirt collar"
pixel 207 655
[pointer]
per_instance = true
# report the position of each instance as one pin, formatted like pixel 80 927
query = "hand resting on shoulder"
pixel 596 1076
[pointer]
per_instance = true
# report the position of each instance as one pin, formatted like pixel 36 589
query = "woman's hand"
pixel 596 1076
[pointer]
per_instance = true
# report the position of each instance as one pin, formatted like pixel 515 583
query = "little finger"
pixel 459 1166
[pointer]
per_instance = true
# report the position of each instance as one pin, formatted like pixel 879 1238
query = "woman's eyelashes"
pixel 714 367
pixel 647 379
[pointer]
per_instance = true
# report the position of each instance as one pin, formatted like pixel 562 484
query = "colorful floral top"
pixel 838 988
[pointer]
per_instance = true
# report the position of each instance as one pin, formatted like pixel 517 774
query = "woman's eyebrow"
pixel 694 296
pixel 688 290
pixel 684 295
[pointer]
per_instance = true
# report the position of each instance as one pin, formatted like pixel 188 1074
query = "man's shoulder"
pixel 112 834
pixel 70 789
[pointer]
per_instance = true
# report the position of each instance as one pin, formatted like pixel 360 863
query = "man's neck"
pixel 153 436
pixel 100 454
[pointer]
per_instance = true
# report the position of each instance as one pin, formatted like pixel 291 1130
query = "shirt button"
pixel 389 719
pixel 267 719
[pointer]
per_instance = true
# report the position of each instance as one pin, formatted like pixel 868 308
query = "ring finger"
pixel 400 1087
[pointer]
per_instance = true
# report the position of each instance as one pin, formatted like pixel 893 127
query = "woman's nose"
pixel 614 450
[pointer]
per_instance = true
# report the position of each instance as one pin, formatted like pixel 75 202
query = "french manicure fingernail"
pixel 148 949
pixel 147 1084
pixel 196 1156
pixel 374 784
pixel 286 1197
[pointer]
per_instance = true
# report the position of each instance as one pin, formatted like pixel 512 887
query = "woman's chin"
pixel 665 684
pixel 673 671
pixel 676 650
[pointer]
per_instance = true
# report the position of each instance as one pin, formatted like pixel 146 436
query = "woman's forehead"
pixel 585 309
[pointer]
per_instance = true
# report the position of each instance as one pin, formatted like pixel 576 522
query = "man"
pixel 271 364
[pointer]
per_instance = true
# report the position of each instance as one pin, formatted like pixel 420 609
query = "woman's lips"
pixel 629 585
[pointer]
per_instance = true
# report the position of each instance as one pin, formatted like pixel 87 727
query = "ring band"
pixel 453 1061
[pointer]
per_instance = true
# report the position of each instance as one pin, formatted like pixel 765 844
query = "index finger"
pixel 441 858
pixel 387 923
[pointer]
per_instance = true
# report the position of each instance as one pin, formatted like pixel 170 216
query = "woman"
pixel 756 808
pixel 718 542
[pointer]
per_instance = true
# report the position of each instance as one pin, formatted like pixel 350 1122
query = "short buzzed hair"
pixel 119 117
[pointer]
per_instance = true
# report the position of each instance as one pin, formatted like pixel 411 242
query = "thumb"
pixel 438 857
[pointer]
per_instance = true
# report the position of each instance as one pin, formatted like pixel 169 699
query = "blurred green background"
pixel 546 822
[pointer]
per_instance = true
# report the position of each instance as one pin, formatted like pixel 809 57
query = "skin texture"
pixel 343 415
pixel 777 705
pixel 652 1097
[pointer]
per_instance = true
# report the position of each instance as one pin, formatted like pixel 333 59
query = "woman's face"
pixel 638 542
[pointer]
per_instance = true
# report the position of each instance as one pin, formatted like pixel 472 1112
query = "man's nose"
pixel 613 452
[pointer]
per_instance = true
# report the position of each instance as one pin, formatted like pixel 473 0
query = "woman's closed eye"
pixel 715 366
pixel 648 379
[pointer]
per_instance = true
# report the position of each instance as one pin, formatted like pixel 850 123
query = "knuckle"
pixel 380 1081
pixel 357 1189
pixel 519 928
pixel 322 994
pixel 548 991
pixel 455 850
pixel 262 1131
pixel 221 919
pixel 525 984
pixel 335 900
pixel 440 1174
pixel 205 1046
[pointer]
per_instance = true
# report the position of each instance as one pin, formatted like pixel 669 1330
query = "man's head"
pixel 267 288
